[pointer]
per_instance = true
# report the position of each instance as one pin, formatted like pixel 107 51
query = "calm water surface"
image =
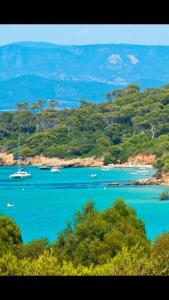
pixel 44 203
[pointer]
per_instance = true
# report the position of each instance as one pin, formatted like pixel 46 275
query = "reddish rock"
pixel 144 159
pixel 8 160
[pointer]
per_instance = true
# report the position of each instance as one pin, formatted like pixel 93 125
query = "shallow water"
pixel 44 203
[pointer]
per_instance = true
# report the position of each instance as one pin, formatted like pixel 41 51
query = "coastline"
pixel 8 160
pixel 140 161
pixel 134 162
pixel 128 165
pixel 163 180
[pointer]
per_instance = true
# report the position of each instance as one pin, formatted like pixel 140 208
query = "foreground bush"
pixel 160 255
pixel 10 235
pixel 111 242
pixel 96 237
pixel 133 261
pixel 9 231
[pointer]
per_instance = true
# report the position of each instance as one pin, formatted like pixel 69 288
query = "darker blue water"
pixel 44 203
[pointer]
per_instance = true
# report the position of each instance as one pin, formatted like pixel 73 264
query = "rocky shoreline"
pixel 8 160
pixel 145 181
pixel 163 180
pixel 134 162
pixel 138 161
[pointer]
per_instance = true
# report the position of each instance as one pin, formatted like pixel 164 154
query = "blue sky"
pixel 86 34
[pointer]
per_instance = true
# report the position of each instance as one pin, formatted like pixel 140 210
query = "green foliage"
pixel 161 245
pixel 162 163
pixel 9 231
pixel 160 255
pixel 31 250
pixel 131 122
pixel 111 242
pixel 9 265
pixel 164 196
pixel 114 155
pixel 97 236
pixel 134 261
pixel 134 145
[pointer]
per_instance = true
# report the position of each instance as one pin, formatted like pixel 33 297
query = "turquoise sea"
pixel 44 203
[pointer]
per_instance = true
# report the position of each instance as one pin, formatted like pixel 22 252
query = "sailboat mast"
pixel 18 161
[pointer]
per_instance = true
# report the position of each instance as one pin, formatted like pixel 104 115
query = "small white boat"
pixel 20 174
pixel 45 167
pixel 134 173
pixel 10 205
pixel 93 175
pixel 106 169
pixel 55 170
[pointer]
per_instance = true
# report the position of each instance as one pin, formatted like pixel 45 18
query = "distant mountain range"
pixel 31 71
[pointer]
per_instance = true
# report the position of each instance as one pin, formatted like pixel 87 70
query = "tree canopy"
pixel 96 237
pixel 132 121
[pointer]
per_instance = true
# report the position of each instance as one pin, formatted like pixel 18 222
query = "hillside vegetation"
pixel 130 122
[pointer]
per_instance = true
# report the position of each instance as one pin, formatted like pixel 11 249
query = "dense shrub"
pixel 96 237
pixel 9 231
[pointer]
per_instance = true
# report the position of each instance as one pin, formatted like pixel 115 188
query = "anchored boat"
pixel 21 173
pixel 55 170
pixel 45 167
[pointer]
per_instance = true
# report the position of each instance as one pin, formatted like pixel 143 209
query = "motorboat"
pixel 10 205
pixel 55 170
pixel 93 175
pixel 45 167
pixel 106 169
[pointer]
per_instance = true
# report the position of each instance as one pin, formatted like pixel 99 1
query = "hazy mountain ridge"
pixel 30 88
pixel 73 68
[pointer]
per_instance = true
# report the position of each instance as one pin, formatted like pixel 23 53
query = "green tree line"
pixel 131 121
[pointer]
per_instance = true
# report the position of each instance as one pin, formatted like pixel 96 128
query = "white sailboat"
pixel 21 173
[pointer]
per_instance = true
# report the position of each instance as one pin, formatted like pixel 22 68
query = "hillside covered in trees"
pixel 130 122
